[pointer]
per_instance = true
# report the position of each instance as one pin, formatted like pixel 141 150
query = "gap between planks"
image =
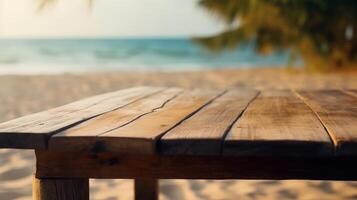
pixel 203 133
pixel 147 113
pixel 86 136
pixel 147 142
pixel 33 131
pixel 277 123
pixel 127 141
pixel 352 93
pixel 336 111
pixel 317 116
pixel 235 121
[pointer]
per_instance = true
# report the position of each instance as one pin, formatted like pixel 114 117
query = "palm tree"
pixel 322 32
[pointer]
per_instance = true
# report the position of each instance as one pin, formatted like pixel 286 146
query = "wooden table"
pixel 150 133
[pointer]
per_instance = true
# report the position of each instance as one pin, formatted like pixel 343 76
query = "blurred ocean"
pixel 31 56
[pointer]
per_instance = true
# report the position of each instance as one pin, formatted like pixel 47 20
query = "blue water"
pixel 83 55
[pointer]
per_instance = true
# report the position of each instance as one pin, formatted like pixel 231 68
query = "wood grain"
pixel 338 113
pixel 278 123
pixel 141 135
pixel 351 92
pixel 85 136
pixel 203 133
pixel 60 189
pixel 33 131
pixel 127 166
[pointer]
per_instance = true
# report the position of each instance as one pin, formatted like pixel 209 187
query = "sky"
pixel 106 18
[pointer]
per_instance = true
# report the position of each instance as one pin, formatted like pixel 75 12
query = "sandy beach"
pixel 21 95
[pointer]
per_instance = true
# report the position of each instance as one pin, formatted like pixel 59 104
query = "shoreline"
pixel 143 69
pixel 279 69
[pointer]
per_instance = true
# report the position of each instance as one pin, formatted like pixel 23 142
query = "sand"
pixel 21 95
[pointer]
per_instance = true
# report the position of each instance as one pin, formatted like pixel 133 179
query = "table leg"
pixel 60 189
pixel 146 189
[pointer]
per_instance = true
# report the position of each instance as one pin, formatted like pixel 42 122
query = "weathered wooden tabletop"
pixel 149 133
pixel 173 121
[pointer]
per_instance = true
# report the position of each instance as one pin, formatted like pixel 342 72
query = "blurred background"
pixel 53 52
pixel 81 36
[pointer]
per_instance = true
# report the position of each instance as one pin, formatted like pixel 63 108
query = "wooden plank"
pixel 62 110
pixel 338 113
pixel 129 166
pixel 278 123
pixel 141 135
pixel 60 117
pixel 34 130
pixel 84 136
pixel 204 132
pixel 60 189
pixel 146 189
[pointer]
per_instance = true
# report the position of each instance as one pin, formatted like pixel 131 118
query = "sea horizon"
pixel 108 54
